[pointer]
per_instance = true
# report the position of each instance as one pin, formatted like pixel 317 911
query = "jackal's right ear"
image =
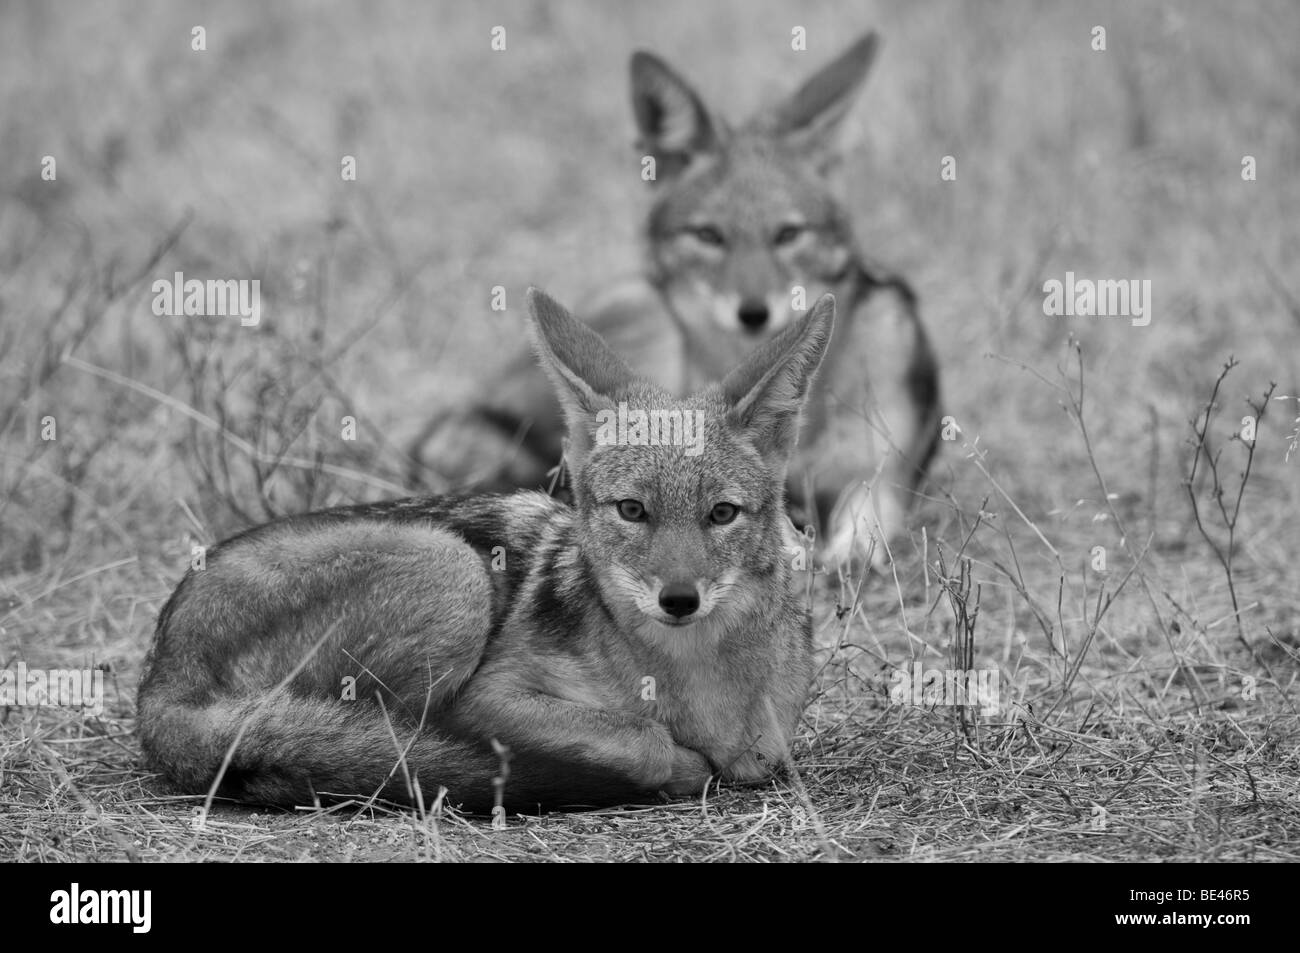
pixel 768 391
pixel 674 123
pixel 586 374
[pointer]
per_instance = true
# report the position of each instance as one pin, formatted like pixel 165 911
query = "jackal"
pixel 652 635
pixel 744 223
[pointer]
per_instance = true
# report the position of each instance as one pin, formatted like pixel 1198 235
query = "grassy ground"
pixel 1144 718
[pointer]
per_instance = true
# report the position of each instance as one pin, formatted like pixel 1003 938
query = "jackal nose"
pixel 679 599
pixel 753 314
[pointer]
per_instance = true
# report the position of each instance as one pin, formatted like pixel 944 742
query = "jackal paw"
pixel 690 773
pixel 854 548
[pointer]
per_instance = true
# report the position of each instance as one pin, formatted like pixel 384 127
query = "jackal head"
pixel 744 215
pixel 682 520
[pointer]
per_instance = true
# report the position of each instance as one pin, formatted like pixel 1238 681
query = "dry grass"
pixel 1142 718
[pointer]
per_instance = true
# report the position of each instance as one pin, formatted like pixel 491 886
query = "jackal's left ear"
pixel 812 115
pixel 585 372
pixel 768 391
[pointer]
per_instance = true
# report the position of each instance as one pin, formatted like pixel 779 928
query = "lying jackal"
pixel 742 218
pixel 648 637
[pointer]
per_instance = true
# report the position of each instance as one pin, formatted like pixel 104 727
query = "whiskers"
pixel 728 596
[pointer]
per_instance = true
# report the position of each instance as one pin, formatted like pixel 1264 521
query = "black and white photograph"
pixel 561 431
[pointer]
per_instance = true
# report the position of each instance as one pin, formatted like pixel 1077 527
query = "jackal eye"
pixel 631 510
pixel 723 513
pixel 788 234
pixel 708 235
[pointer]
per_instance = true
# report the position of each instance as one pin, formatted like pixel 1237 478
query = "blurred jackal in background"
pixel 745 229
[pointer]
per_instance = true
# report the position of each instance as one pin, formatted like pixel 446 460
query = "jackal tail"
pixel 285 750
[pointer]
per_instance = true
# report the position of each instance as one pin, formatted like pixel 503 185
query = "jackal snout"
pixel 679 598
pixel 750 314
pixel 678 574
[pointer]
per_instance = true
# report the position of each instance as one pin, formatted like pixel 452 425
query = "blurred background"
pixel 478 168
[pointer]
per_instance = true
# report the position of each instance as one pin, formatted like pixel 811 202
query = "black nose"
pixel 679 599
pixel 753 314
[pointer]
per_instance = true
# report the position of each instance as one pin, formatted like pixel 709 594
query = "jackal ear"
pixel 586 374
pixel 813 114
pixel 766 394
pixel 674 123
